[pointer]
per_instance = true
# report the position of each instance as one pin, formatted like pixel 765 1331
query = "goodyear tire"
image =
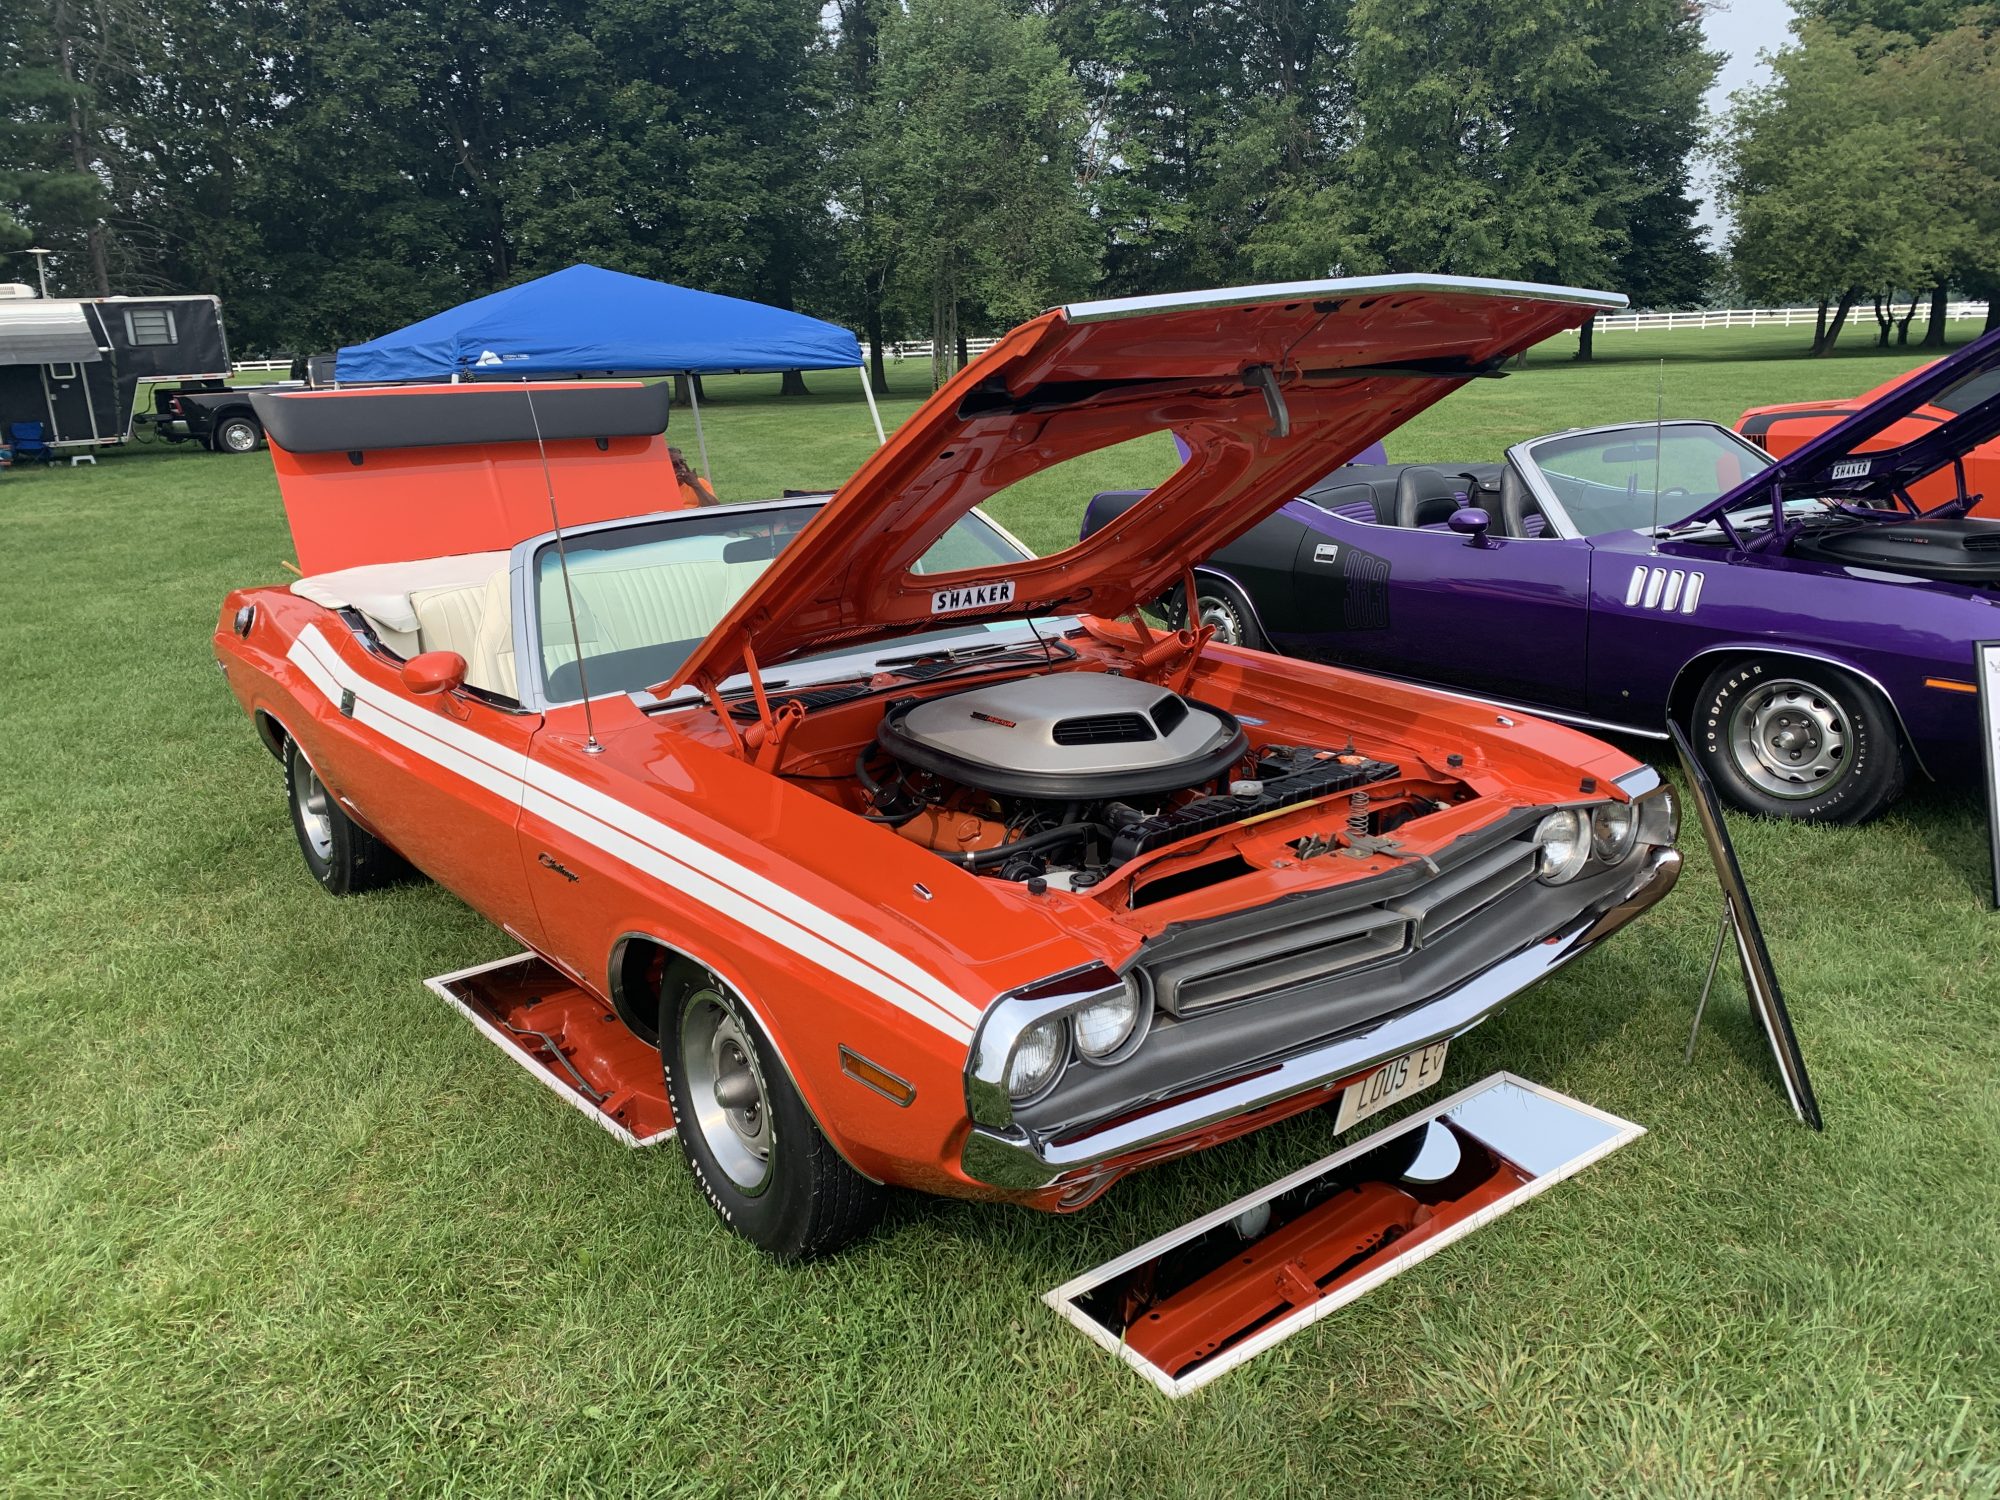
pixel 343 857
pixel 764 1166
pixel 1798 739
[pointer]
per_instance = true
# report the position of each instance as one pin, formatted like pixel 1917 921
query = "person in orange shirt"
pixel 695 490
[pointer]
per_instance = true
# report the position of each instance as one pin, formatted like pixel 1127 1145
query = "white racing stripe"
pixel 689 868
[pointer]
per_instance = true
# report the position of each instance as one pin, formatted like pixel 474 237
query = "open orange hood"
pixel 1270 387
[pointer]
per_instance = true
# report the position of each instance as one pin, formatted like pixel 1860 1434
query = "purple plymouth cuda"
pixel 1807 622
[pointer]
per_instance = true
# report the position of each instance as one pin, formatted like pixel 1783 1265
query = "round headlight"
pixel 1614 828
pixel 1038 1057
pixel 1562 843
pixel 1103 1026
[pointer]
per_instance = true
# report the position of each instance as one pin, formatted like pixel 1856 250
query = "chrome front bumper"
pixel 1016 1158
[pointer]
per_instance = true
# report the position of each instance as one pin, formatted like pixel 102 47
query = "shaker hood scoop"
pixel 1270 387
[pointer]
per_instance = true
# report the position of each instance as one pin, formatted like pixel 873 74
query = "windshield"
pixel 1606 480
pixel 647 594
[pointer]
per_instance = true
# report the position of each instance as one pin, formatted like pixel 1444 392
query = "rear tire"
pixel 764 1166
pixel 238 433
pixel 1798 739
pixel 342 856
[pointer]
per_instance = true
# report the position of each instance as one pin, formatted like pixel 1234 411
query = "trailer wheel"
pixel 342 856
pixel 238 432
pixel 762 1163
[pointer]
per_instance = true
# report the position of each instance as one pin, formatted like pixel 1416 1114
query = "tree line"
pixel 1868 170
pixel 337 168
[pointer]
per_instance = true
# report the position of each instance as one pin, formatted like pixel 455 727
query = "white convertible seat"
pixel 459 603
pixel 647 604
pixel 465 604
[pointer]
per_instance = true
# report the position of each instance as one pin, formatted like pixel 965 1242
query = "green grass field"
pixel 273 1220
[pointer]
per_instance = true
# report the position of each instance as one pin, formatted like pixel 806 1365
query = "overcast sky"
pixel 1742 29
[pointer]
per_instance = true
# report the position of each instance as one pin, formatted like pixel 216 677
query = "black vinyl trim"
pixel 443 416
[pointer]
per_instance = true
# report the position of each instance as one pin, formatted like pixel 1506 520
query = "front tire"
pixel 1221 605
pixel 342 856
pixel 764 1166
pixel 1798 740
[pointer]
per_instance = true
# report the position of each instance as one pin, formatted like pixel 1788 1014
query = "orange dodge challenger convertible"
pixel 925 862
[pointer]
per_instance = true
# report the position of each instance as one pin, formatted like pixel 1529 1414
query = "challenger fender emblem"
pixel 977 596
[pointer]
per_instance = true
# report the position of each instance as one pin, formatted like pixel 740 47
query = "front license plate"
pixel 1409 1074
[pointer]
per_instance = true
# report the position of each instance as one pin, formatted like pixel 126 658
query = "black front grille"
pixel 1310 939
pixel 1103 729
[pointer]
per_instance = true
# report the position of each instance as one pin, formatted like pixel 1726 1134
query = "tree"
pixel 55 58
pixel 972 143
pixel 1201 113
pixel 1539 139
pixel 1839 183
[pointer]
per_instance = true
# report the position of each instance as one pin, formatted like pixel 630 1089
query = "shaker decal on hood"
pixel 972 596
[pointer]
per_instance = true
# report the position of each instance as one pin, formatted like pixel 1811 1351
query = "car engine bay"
pixel 1062 778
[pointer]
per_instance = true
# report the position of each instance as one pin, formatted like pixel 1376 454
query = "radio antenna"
pixel 590 745
pixel 1659 436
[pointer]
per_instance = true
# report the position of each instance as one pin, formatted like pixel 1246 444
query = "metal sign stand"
pixel 1986 671
pixel 1722 930
pixel 1739 916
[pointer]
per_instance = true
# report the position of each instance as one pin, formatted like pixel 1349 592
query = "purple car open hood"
pixel 1830 466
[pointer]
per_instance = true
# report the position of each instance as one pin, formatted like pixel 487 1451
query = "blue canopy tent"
pixel 590 321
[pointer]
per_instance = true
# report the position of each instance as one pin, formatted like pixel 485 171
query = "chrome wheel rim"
pixel 1222 615
pixel 315 810
pixel 726 1091
pixel 238 438
pixel 1790 738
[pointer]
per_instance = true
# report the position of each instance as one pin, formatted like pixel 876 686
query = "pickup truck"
pixel 219 416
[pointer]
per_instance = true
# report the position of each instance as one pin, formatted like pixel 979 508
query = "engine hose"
pixel 999 854
pixel 874 787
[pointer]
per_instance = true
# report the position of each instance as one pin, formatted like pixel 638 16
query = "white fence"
pixel 1769 317
pixel 260 364
pixel 921 348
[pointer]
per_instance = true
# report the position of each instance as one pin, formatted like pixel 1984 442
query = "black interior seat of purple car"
pixel 1520 512
pixel 1425 497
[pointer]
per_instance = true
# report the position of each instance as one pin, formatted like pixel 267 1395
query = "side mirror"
pixel 434 672
pixel 1472 523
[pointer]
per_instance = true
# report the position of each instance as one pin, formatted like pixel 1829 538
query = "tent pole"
pixel 868 390
pixel 694 403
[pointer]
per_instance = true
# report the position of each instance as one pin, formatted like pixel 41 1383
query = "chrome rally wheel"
pixel 1790 737
pixel 756 1152
pixel 731 1107
pixel 343 856
pixel 310 800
